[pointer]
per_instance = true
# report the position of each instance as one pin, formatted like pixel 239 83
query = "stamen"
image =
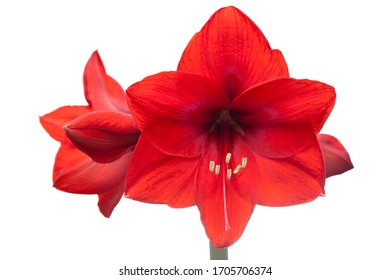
pixel 228 157
pixel 244 162
pixel 237 169
pixel 212 165
pixel 229 174
pixel 217 169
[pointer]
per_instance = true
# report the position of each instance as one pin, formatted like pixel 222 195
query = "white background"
pixel 48 234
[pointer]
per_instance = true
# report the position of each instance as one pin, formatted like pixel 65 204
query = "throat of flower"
pixel 226 167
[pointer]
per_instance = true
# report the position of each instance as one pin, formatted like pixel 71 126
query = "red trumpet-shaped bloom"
pixel 75 171
pixel 228 130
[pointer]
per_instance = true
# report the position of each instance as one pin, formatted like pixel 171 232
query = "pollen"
pixel 228 157
pixel 237 169
pixel 244 162
pixel 229 174
pixel 217 169
pixel 212 165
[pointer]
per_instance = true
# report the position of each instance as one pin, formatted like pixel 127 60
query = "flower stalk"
pixel 218 253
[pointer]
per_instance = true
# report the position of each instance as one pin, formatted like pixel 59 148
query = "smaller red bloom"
pixel 75 171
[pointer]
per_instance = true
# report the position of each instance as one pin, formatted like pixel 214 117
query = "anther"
pixel 244 162
pixel 229 174
pixel 212 165
pixel 217 169
pixel 237 169
pixel 228 157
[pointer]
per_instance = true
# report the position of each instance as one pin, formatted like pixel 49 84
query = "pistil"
pixel 224 164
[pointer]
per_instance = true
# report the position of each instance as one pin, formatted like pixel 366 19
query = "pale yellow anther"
pixel 212 165
pixel 244 162
pixel 217 169
pixel 229 174
pixel 237 169
pixel 228 157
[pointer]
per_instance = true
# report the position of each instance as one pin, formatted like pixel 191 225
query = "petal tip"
pixel 336 157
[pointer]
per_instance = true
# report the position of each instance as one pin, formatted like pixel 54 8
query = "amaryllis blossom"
pixel 74 171
pixel 230 129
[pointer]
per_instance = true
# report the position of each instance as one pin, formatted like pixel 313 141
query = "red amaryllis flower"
pixel 76 172
pixel 229 130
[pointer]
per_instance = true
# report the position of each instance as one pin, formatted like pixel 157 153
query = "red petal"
pixel 54 122
pixel 108 201
pixel 282 116
pixel 155 177
pixel 212 215
pixel 101 91
pixel 231 49
pixel 174 111
pixel 75 172
pixel 294 180
pixel 337 160
pixel 103 135
pixel 226 204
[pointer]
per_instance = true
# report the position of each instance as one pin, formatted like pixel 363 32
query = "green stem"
pixel 218 253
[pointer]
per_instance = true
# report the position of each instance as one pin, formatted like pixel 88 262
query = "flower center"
pixel 225 118
pixel 226 166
